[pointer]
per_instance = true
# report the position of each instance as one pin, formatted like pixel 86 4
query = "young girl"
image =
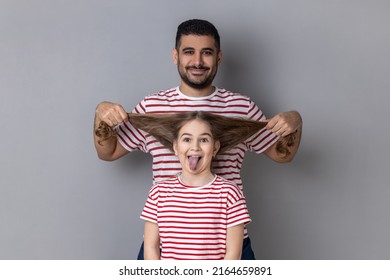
pixel 195 215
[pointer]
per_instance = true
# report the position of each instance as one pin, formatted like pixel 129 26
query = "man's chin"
pixel 198 85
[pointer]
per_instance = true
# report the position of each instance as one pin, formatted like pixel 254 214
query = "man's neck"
pixel 194 92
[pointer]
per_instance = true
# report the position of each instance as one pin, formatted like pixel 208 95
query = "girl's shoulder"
pixel 225 183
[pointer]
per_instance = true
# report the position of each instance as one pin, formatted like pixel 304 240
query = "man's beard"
pixel 197 84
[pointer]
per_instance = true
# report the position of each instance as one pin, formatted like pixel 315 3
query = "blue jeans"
pixel 247 252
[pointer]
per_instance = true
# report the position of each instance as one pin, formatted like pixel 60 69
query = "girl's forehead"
pixel 195 125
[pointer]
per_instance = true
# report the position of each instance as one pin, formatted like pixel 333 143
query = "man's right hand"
pixel 110 113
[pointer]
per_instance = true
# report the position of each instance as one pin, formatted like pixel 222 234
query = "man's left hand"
pixel 284 123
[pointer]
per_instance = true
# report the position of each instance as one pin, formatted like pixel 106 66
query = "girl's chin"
pixel 196 172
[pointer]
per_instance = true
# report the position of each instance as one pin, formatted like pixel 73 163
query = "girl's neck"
pixel 196 180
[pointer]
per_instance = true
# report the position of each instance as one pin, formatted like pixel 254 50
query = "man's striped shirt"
pixel 165 164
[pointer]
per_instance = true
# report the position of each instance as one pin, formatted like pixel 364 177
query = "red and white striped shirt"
pixel 165 164
pixel 193 221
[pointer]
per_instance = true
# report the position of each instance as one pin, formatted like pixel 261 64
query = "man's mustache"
pixel 197 67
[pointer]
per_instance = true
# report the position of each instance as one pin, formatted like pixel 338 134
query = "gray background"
pixel 327 59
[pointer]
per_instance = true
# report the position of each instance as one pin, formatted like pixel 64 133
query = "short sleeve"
pixel 263 139
pixel 237 211
pixel 130 137
pixel 149 213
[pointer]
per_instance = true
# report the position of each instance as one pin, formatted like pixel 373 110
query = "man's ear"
pixel 175 55
pixel 219 57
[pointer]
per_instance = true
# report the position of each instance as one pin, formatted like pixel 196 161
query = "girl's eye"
pixel 186 139
pixel 204 140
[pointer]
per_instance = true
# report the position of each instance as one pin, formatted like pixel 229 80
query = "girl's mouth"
pixel 193 161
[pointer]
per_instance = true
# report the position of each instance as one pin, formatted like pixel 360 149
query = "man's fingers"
pixel 270 123
pixel 124 116
pixel 112 114
pixel 118 113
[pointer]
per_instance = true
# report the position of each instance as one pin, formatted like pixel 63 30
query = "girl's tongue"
pixel 193 161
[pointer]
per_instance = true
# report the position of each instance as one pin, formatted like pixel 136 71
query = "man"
pixel 197 54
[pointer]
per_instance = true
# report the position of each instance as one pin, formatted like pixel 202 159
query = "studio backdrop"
pixel 329 60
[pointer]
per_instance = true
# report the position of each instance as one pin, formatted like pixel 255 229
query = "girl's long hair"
pixel 228 131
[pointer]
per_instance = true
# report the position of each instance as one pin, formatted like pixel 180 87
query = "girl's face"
pixel 195 147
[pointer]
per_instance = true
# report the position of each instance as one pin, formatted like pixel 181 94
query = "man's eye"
pixel 208 53
pixel 188 52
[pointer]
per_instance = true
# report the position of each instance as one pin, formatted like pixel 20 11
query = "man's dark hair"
pixel 197 27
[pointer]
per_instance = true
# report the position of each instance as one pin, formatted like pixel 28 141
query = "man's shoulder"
pixel 224 93
pixel 163 93
pixel 157 100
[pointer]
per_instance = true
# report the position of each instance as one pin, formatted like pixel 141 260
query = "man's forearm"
pixel 285 149
pixel 109 149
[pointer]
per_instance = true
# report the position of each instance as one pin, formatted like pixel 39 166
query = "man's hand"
pixel 285 123
pixel 110 113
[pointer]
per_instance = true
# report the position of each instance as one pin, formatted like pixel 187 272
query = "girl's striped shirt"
pixel 193 221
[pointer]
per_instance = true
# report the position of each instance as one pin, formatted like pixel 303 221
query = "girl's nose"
pixel 195 145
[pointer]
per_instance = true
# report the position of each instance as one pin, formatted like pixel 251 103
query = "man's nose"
pixel 198 59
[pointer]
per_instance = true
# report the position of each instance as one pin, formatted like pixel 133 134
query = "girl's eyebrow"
pixel 189 134
pixel 206 133
pixel 186 134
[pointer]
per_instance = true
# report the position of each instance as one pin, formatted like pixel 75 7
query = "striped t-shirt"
pixel 193 221
pixel 165 164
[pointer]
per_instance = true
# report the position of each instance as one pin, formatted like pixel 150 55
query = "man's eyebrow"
pixel 204 49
